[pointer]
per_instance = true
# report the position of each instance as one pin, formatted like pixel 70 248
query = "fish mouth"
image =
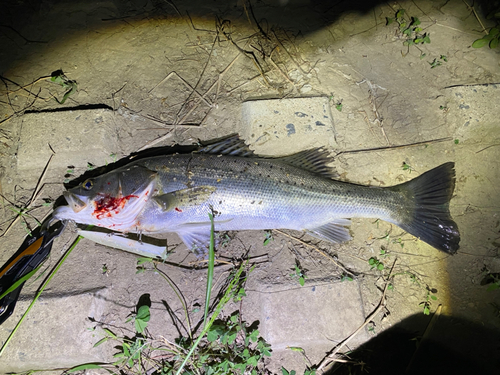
pixel 74 201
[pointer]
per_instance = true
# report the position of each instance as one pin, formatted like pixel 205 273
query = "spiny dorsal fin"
pixel 314 160
pixel 233 146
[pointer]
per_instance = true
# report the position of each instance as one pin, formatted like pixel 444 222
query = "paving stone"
pixel 77 137
pixel 312 317
pixel 302 122
pixel 55 334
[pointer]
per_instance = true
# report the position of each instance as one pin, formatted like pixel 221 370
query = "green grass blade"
pixel 20 281
pixel 86 366
pixel 210 275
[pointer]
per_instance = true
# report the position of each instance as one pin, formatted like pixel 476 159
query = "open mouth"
pixel 74 202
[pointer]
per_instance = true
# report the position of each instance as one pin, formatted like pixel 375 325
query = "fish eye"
pixel 87 184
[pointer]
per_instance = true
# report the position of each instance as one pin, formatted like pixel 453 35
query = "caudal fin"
pixel 430 219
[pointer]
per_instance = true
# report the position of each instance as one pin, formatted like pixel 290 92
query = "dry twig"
pixel 34 196
pixel 318 250
pixel 331 356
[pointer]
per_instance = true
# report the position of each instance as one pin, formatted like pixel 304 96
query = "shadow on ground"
pixel 453 346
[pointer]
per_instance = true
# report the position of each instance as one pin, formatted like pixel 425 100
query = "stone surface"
pixel 55 334
pixel 302 122
pixel 77 137
pixel 312 315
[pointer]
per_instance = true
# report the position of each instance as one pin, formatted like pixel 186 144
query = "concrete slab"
pixel 301 123
pixel 314 317
pixel 56 333
pixel 77 137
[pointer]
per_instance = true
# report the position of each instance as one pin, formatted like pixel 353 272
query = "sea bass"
pixel 175 193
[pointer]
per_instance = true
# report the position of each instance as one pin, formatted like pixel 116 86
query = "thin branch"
pixel 477 17
pixel 395 147
pixel 34 196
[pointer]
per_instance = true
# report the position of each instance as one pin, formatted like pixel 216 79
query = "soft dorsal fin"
pixel 233 146
pixel 314 160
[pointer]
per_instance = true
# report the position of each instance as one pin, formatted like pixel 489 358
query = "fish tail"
pixel 429 217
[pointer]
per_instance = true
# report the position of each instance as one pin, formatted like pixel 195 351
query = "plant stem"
pixel 42 288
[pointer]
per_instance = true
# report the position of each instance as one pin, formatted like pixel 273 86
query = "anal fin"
pixel 196 241
pixel 334 231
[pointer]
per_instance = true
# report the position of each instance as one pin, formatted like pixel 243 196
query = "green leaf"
pixel 388 21
pixel 86 366
pixel 434 298
pixel 427 39
pixel 427 311
pixel 212 335
pixel 380 266
pixel 254 336
pixel 140 325
pixel 302 281
pixel 142 318
pixel 143 313
pixel 479 43
pixel 143 260
pixel 231 338
pixel 415 21
pixel 492 287
pixel 252 361
pixel 494 43
pixel 265 350
pixel 400 13
pixel 494 31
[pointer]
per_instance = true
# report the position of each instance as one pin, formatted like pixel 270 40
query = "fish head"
pixel 112 200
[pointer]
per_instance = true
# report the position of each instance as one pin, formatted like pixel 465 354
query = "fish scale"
pixel 247 192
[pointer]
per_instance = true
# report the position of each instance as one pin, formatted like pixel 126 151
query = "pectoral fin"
pixel 184 198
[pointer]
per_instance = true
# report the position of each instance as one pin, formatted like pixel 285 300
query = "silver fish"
pixel 175 193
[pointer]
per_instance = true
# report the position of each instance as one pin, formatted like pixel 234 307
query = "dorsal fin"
pixel 314 160
pixel 233 146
